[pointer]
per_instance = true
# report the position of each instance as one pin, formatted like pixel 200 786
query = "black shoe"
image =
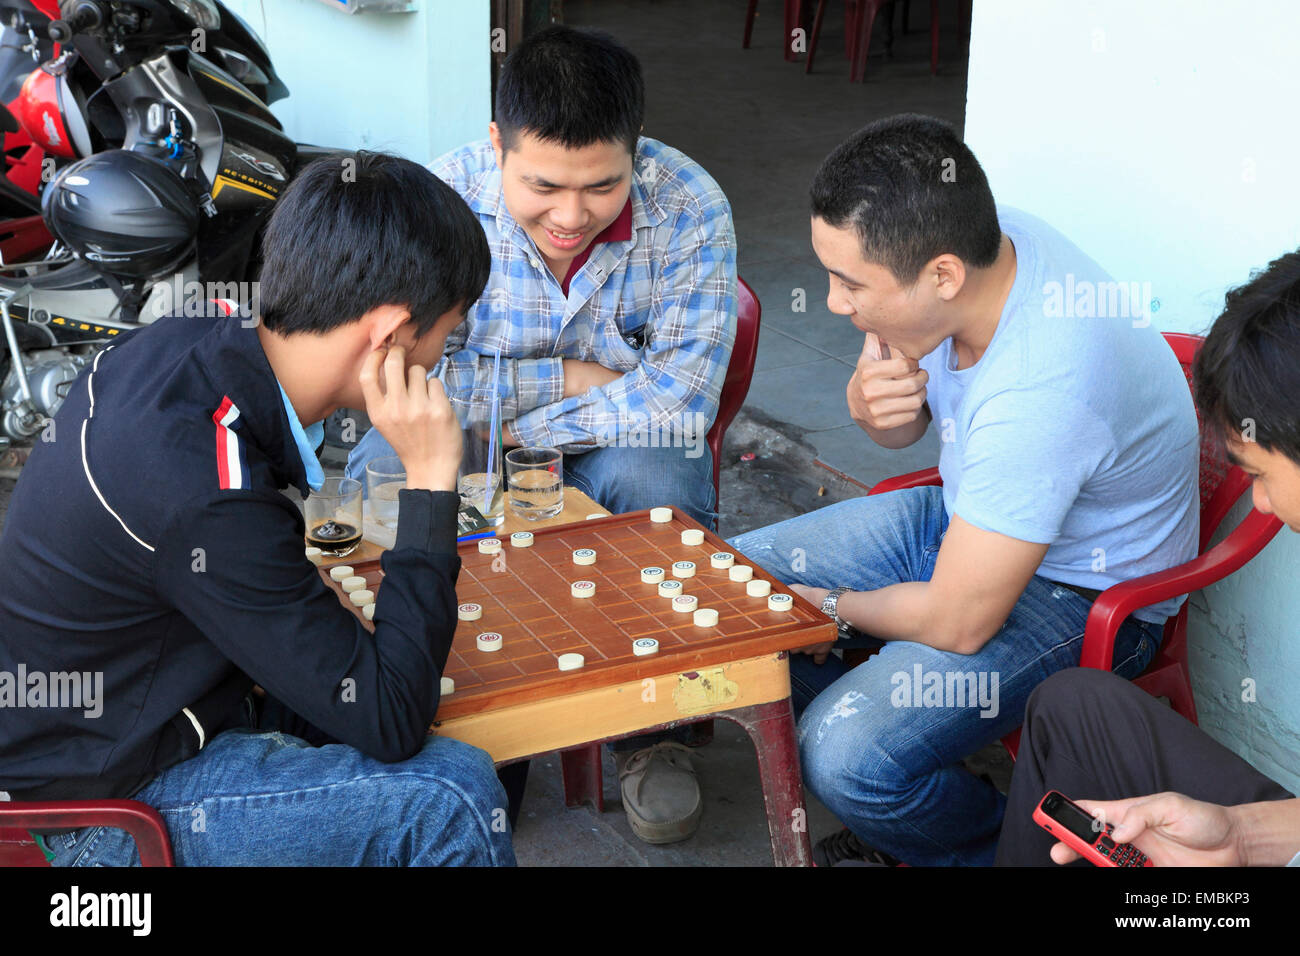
pixel 844 848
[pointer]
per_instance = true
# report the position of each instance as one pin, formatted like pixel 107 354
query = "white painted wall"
pixel 1160 136
pixel 415 83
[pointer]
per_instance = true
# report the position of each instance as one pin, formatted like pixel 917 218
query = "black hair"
pixel 1248 369
pixel 355 231
pixel 912 191
pixel 571 87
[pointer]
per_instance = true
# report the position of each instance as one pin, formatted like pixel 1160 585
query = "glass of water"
pixel 480 480
pixel 385 477
pixel 535 477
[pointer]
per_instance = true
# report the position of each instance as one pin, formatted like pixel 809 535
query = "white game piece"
pixel 670 589
pixel 645 646
pixel 489 545
pixel 488 641
pixel 685 603
pixel 740 572
pixel 521 539
pixel 583 589
pixel 780 602
pixel 692 536
pixel 722 559
pixel 362 598
pixel 339 572
pixel 706 617
pixel 368 612
pixel 354 583
pixel 661 515
pixel 447 686
pixel 683 569
pixel 315 555
pixel 758 588
pixel 571 662
pixel 584 556
pixel 652 575
pixel 594 515
pixel 469 612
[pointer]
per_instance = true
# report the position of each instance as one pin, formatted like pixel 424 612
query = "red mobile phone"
pixel 1083 833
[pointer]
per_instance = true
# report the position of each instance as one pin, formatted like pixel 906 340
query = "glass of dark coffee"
pixel 334 516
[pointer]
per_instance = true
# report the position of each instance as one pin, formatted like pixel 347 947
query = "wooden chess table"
pixel 516 703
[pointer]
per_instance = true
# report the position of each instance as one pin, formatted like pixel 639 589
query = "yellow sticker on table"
pixel 703 690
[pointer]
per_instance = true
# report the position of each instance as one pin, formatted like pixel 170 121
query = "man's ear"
pixel 949 274
pixel 382 322
pixel 494 134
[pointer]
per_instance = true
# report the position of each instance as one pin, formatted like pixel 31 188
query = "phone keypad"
pixel 1120 854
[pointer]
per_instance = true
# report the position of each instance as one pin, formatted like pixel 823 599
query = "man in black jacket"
pixel 151 558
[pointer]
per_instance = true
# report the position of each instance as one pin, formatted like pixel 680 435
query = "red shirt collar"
pixel 620 230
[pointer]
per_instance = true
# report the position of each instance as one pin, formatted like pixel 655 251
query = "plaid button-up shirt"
pixel 660 308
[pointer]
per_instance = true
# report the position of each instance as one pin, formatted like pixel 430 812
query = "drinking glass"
pixel 536 482
pixel 333 516
pixel 479 482
pixel 385 477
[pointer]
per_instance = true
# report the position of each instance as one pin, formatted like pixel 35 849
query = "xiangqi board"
pixel 527 595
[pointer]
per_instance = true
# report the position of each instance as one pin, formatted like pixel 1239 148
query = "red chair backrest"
pixel 740 370
pixel 1221 483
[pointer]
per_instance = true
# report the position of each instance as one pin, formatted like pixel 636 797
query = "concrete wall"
pixel 1156 135
pixel 412 83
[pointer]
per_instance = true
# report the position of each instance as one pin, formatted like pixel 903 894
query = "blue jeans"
pixel 881 744
pixel 267 799
pixel 620 479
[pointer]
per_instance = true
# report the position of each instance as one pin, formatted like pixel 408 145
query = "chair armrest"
pixel 138 819
pixel 914 479
pixel 1116 603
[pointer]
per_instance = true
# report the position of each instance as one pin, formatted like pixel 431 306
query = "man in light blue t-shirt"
pixel 1069 463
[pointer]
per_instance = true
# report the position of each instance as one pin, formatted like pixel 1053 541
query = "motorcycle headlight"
pixel 204 13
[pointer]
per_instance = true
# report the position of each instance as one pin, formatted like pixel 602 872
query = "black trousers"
pixel 1094 736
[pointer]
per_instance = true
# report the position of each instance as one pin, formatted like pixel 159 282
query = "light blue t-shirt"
pixel 1075 428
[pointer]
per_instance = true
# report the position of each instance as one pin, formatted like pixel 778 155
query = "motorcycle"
pixel 182 83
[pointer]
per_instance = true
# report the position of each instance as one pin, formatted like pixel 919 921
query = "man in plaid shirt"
pixel 612 307
pixel 612 299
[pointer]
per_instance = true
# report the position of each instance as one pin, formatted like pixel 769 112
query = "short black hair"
pixel 912 190
pixel 571 87
pixel 357 230
pixel 1248 369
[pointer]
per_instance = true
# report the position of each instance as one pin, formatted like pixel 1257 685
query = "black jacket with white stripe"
pixel 150 543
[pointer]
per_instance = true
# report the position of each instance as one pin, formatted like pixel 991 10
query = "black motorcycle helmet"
pixel 125 214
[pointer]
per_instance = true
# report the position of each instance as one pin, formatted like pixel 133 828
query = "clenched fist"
pixel 885 391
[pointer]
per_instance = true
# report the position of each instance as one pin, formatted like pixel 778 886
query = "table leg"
pixel 583 780
pixel 771 727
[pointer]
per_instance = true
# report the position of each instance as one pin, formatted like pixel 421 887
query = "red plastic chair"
pixel 138 819
pixel 859 16
pixel 1221 485
pixel 740 371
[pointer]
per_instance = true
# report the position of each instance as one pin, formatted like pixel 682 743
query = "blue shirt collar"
pixel 308 440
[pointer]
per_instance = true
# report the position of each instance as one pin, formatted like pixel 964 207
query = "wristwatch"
pixel 831 608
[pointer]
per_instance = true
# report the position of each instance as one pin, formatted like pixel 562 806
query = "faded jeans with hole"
pixel 253 798
pixel 882 744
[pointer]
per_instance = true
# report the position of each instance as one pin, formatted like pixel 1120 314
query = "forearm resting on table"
pixel 1269 832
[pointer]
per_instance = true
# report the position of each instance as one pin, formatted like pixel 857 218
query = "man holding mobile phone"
pixel 1090 735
